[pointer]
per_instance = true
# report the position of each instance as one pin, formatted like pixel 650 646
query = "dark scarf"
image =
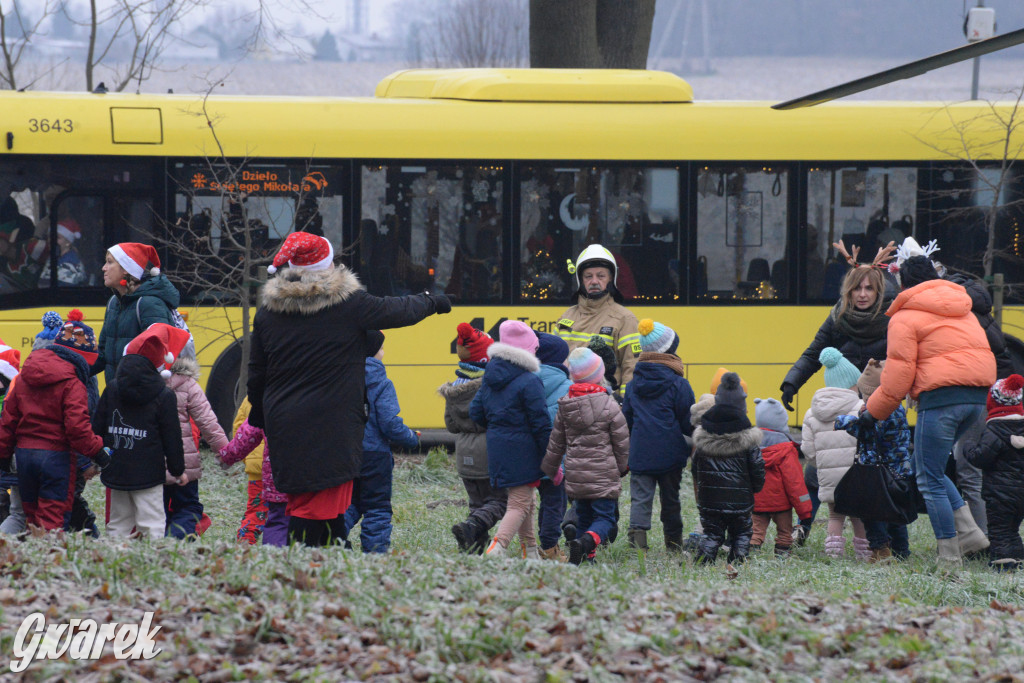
pixel 77 361
pixel 863 327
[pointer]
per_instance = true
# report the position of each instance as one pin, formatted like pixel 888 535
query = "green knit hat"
pixel 839 372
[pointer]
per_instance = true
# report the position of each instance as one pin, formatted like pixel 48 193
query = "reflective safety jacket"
pixel 606 319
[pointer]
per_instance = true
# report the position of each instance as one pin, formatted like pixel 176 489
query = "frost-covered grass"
pixel 230 612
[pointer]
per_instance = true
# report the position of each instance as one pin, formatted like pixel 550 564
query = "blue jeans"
pixel 937 430
pixel 371 502
pixel 185 509
pixel 550 513
pixel 881 534
pixel 597 515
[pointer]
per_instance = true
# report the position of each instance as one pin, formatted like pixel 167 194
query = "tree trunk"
pixel 624 32
pixel 590 34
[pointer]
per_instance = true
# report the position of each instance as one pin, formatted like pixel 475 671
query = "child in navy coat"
pixel 510 404
pixel 552 353
pixel 371 493
pixel 657 408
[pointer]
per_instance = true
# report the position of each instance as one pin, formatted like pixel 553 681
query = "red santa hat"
pixel 69 230
pixel 10 361
pixel 471 344
pixel 160 344
pixel 304 251
pixel 135 258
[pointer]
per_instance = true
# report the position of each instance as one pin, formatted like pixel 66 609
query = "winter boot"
pixel 781 551
pixel 861 549
pixel 309 532
pixel 971 538
pixel 467 535
pixel 1007 564
pixel 531 552
pixel 835 546
pixel 692 542
pixel 495 551
pixel 949 553
pixel 637 538
pixel 674 542
pixel 554 553
pixel 583 547
pixel 881 555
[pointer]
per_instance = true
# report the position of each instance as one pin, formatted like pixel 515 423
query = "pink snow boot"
pixel 835 546
pixel 861 549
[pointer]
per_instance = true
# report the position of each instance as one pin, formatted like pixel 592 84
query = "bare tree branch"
pixel 22 30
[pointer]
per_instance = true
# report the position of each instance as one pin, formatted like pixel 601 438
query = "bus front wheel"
pixel 220 388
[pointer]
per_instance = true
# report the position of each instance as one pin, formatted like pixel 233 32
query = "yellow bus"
pixel 484 183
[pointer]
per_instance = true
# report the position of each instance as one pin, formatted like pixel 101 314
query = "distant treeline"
pixel 860 28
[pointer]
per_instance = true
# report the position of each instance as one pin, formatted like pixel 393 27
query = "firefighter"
pixel 599 311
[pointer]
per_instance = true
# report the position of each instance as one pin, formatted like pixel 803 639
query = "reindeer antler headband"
pixel 884 254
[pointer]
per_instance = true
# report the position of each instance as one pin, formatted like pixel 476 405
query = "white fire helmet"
pixel 594 255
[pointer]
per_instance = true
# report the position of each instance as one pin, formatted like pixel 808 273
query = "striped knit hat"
pixel 585 366
pixel 657 338
pixel 1005 397
pixel 839 372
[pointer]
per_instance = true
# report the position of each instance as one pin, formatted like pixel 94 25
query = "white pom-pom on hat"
pixel 154 272
pixel 165 373
pixel 169 357
pixel 271 269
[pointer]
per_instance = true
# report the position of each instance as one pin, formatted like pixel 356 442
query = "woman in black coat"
pixel 856 326
pixel 306 378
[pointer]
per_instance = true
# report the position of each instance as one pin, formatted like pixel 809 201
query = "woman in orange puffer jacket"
pixel 938 353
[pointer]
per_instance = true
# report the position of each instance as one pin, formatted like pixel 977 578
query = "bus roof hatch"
pixel 537 85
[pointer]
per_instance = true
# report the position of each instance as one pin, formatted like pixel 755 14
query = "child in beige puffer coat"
pixel 591 431
pixel 834 452
pixel 185 510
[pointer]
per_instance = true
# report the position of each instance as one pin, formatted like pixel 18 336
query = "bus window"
pixel 79 254
pixel 633 211
pixel 216 205
pixel 865 206
pixel 434 228
pixel 742 246
pixel 964 204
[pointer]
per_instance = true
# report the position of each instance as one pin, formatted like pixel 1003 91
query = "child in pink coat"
pixel 247 438
pixel 184 509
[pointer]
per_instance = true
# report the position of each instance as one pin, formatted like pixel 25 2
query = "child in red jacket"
pixel 784 487
pixel 46 421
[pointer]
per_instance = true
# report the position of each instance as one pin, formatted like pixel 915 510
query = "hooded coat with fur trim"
pixel 510 404
pixel 192 404
pixel 727 470
pixel 934 342
pixel 306 371
pixel 470 438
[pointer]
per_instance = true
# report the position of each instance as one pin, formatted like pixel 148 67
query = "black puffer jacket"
pixel 856 350
pixel 727 465
pixel 138 418
pixel 981 307
pixel 307 371
pixel 1000 454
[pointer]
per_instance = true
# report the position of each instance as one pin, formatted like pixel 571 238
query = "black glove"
pixel 788 392
pixel 866 421
pixel 442 304
pixel 607 356
pixel 102 458
pixel 5 464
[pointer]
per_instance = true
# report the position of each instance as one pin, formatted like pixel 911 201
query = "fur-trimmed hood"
pixel 188 367
pixel 514 355
pixel 726 445
pixel 452 391
pixel 306 292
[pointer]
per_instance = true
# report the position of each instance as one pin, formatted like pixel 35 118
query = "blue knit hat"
pixel 657 338
pixel 839 372
pixel 51 326
pixel 552 349
pixel 585 366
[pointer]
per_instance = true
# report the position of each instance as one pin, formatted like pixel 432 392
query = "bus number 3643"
pixel 50 126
